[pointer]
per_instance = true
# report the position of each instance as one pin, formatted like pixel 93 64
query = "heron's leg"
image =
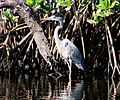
pixel 69 70
pixel 69 88
pixel 69 62
pixel 70 66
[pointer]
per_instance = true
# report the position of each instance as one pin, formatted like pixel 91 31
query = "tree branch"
pixel 27 15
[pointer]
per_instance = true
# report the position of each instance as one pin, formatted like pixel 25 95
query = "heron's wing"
pixel 71 51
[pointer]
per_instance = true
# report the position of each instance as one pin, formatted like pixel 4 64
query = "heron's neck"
pixel 56 36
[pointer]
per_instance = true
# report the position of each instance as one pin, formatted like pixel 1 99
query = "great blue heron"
pixel 66 48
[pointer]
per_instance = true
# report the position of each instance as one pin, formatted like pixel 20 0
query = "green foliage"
pixel 118 5
pixel 48 6
pixel 8 15
pixel 39 4
pixel 34 3
pixel 65 3
pixel 103 9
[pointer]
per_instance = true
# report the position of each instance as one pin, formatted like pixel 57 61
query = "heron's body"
pixel 66 48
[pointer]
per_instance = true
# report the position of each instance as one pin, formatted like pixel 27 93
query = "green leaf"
pixel 103 4
pixel 113 4
pixel 99 14
pixel 107 13
pixel 7 13
pixel 38 1
pixel 109 4
pixel 96 19
pixel 91 21
pixel 46 8
pixel 36 5
pixel 64 3
pixel 106 4
pixel 98 7
pixel 68 3
pixel 94 14
pixel 30 2
pixel 103 9
pixel 15 18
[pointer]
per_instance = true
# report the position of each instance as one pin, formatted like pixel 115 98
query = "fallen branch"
pixel 27 15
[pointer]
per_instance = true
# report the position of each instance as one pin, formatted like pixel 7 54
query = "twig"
pixel 4 44
pixel 22 28
pixel 15 28
pixel 110 60
pixel 82 40
pixel 24 38
pixel 28 48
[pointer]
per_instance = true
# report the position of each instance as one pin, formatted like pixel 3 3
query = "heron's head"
pixel 54 18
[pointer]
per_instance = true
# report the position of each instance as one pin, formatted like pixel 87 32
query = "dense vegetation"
pixel 92 25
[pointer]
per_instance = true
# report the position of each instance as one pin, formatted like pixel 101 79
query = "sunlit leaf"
pixel 68 3
pixel 7 13
pixel 38 1
pixel 109 3
pixel 107 13
pixel 106 3
pixel 30 2
pixel 113 4
pixel 15 18
pixel 36 5
pixel 91 21
pixel 99 14
pixel 64 3
pixel 98 6
pixel 99 10
pixel 103 4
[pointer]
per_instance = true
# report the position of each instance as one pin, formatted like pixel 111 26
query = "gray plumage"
pixel 66 48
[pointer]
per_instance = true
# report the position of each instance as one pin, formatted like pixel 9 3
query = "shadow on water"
pixel 27 87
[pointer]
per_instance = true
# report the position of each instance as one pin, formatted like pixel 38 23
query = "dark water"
pixel 26 87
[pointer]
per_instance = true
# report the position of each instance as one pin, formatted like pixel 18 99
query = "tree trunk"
pixel 27 15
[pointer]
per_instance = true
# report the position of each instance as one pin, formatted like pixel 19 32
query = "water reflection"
pixel 113 90
pixel 27 87
pixel 69 92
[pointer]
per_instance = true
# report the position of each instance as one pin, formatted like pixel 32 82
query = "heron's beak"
pixel 53 17
pixel 44 18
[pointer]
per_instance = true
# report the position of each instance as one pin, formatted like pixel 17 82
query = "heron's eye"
pixel 66 44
